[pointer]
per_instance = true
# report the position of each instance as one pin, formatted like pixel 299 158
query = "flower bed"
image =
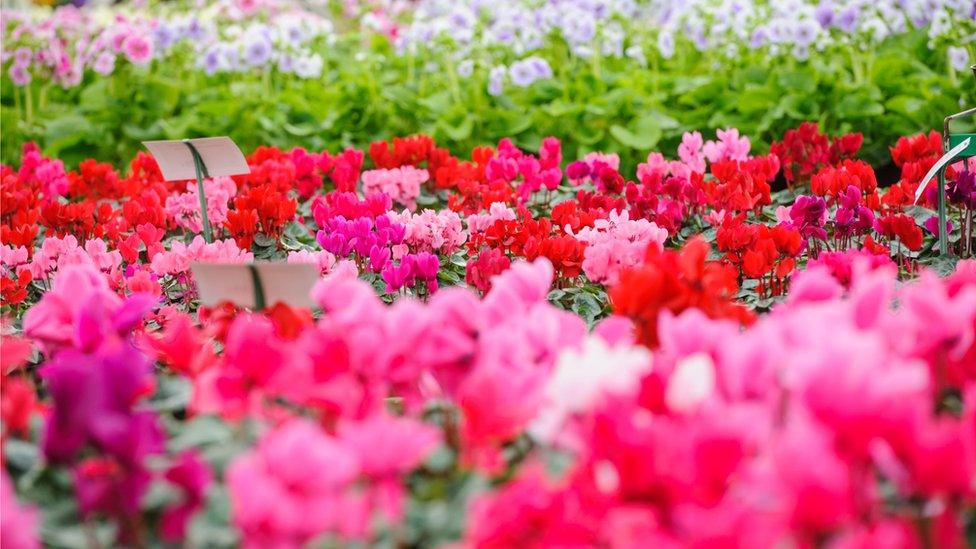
pixel 616 76
pixel 508 349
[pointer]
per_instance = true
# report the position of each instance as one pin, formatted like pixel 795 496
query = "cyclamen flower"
pixel 81 310
pixel 401 184
pixel 479 223
pixel 388 448
pixel 294 486
pixel 324 260
pixel 728 147
pixel 413 267
pixel 582 377
pixel 184 208
pixel 431 231
pixel 617 243
pixel 808 214
pixel 177 260
pixel 690 151
pixel 18 523
pixel 193 477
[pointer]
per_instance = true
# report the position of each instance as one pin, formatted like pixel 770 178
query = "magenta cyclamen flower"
pixel 962 190
pixel 192 475
pixel 413 267
pixel 82 312
pixel 851 216
pixel 808 214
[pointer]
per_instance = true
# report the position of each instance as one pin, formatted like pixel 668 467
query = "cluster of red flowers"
pixel 761 252
pixel 529 238
pixel 674 281
pixel 805 150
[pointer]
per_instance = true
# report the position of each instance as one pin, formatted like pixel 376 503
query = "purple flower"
pixel 164 36
pixel 824 15
pixel 958 58
pixel 847 21
pixel 962 191
pixel 257 50
pixel 496 80
pixel 19 74
pixel 211 61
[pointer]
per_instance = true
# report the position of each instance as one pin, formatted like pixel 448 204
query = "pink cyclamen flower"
pixel 387 448
pixel 401 184
pixel 617 243
pixel 690 151
pixel 730 146
pixel 18 523
pixel 184 208
pixel 293 486
pixel 192 475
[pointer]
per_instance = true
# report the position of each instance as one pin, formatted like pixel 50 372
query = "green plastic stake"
pixel 201 169
pixel 943 234
pixel 258 288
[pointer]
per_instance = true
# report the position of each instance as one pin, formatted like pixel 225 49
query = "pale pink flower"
pixel 617 243
pixel 178 258
pixel 730 146
pixel 479 223
pixel 184 208
pixel 324 260
pixel 689 151
pixel 431 231
pixel 400 184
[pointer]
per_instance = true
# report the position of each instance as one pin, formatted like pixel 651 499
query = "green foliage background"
pixel 367 92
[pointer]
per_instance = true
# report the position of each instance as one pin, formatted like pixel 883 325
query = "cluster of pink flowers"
pixel 183 209
pixel 535 174
pixel 177 259
pixel 497 211
pixel 807 428
pixel 55 253
pixel 323 260
pixel 431 231
pixel 300 482
pixel 617 243
pixel 70 41
pixel 401 184
pixel 729 146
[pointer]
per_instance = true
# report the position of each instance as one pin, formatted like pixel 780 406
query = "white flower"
pixel 583 377
pixel 691 383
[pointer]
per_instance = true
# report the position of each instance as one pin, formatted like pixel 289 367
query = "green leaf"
pixel 644 135
pixel 64 132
